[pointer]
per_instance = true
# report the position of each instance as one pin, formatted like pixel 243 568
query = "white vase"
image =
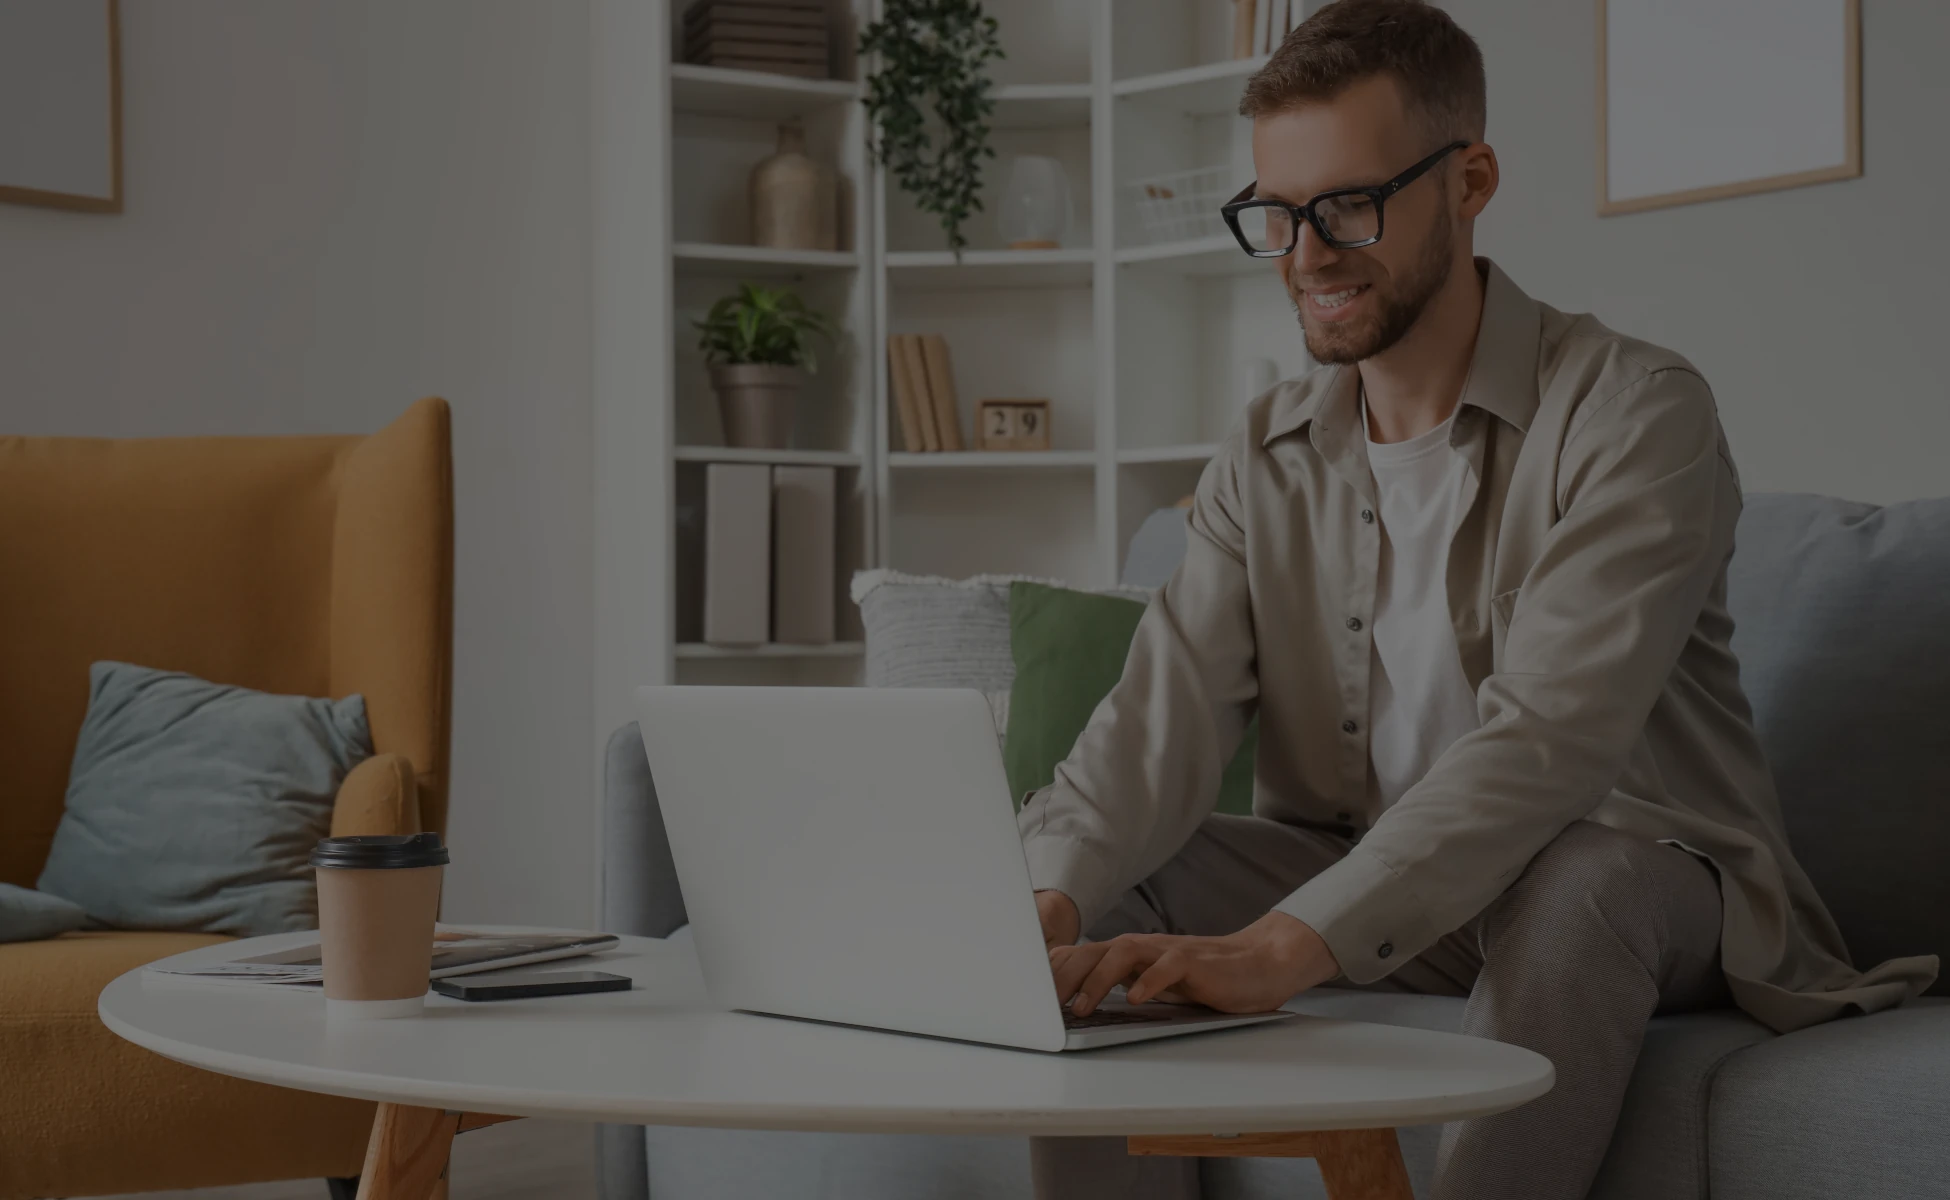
pixel 1033 211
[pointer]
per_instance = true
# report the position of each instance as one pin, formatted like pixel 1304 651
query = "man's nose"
pixel 1312 255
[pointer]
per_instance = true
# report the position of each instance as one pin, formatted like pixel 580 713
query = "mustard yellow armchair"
pixel 316 566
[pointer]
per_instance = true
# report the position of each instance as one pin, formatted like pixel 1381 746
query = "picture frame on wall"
pixel 1705 99
pixel 61 104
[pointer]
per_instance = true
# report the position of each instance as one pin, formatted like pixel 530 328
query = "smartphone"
pixel 516 985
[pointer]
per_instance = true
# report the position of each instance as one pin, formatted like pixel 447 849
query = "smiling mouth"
pixel 1328 302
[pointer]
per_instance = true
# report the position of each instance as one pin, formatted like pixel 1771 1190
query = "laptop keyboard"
pixel 1104 1017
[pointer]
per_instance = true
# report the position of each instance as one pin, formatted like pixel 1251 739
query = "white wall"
pixel 1817 313
pixel 333 209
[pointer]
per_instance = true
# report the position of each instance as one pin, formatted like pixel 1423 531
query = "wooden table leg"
pixel 1355 1164
pixel 406 1157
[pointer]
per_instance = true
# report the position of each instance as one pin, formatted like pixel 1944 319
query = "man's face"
pixel 1354 304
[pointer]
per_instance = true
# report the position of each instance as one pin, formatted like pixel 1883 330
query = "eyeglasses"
pixel 1345 219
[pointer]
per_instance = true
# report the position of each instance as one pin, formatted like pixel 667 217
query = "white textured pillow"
pixel 929 631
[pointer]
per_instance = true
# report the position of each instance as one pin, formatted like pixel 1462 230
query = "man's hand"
pixel 1255 970
pixel 1058 913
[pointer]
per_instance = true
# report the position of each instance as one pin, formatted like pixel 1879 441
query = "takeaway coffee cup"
pixel 377 898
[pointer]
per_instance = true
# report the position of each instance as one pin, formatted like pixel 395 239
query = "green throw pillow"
pixel 1069 649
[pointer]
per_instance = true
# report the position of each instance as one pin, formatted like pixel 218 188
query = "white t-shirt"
pixel 1419 700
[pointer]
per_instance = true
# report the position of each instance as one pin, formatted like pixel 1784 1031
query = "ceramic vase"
pixel 1033 211
pixel 793 198
pixel 756 401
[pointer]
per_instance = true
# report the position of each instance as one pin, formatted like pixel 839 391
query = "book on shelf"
pixel 724 554
pixel 922 378
pixel 765 12
pixel 804 536
pixel 917 376
pixel 1244 14
pixel 783 36
pixel 941 390
pixel 906 407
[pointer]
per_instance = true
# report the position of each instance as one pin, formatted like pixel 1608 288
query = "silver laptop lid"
pixel 850 855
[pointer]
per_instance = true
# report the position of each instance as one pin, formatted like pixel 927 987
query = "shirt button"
pixel 1367 515
pixel 1348 727
pixel 1384 950
pixel 1354 623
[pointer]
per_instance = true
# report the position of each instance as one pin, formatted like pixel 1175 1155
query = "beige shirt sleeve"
pixel 1647 503
pixel 1146 769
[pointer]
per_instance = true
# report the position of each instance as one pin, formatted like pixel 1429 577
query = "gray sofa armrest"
pixel 640 894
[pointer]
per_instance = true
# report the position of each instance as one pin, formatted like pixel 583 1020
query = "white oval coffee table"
pixel 661 1055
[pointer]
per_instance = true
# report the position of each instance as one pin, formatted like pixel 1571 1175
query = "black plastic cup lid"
pixel 390 850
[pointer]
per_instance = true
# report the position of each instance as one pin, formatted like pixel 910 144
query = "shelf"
pixel 1041 106
pixel 937 270
pixel 782 458
pixel 766 261
pixel 995 460
pixel 1199 453
pixel 770 650
pixel 1209 90
pixel 758 95
pixel 1218 255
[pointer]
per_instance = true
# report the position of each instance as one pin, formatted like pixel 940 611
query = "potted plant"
pixel 928 98
pixel 758 345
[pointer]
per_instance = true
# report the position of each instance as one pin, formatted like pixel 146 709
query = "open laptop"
pixel 849 855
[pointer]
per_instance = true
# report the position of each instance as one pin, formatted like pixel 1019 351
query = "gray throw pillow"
pixel 1842 625
pixel 194 806
pixel 27 915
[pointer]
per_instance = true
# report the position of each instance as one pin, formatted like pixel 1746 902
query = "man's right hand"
pixel 1061 924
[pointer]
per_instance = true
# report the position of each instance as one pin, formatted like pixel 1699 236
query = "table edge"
pixel 1055 1123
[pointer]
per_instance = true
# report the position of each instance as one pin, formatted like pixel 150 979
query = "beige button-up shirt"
pixel 1587 587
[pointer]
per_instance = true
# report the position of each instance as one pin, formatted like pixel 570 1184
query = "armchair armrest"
pixel 379 796
pixel 640 893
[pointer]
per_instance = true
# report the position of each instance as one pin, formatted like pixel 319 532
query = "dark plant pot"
pixel 756 401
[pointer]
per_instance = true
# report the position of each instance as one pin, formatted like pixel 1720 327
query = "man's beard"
pixel 1352 341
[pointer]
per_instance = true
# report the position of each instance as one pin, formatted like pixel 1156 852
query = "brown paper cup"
pixel 376 909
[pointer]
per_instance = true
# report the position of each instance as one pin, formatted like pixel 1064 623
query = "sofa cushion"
pixel 1856 1107
pixel 194 806
pixel 926 631
pixel 1842 626
pixel 1658 1152
pixel 104 1115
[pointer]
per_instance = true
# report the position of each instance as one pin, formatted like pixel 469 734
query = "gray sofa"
pixel 1843 631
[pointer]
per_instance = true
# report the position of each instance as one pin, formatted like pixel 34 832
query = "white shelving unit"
pixel 1141 344
pixel 761 260
pixel 721 124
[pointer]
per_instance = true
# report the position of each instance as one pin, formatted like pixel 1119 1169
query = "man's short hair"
pixel 1438 67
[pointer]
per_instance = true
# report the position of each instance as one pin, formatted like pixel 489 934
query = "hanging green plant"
pixel 931 82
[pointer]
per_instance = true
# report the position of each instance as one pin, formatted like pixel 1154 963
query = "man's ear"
pixel 1479 174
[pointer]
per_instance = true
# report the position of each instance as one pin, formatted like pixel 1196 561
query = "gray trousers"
pixel 1601 931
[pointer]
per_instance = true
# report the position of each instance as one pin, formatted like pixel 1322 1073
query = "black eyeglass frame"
pixel 1231 209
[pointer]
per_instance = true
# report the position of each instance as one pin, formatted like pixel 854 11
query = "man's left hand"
pixel 1255 970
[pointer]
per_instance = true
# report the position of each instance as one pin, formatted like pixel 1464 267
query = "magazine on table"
pixel 455 952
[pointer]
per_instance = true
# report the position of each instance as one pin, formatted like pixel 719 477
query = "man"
pixel 1470 577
